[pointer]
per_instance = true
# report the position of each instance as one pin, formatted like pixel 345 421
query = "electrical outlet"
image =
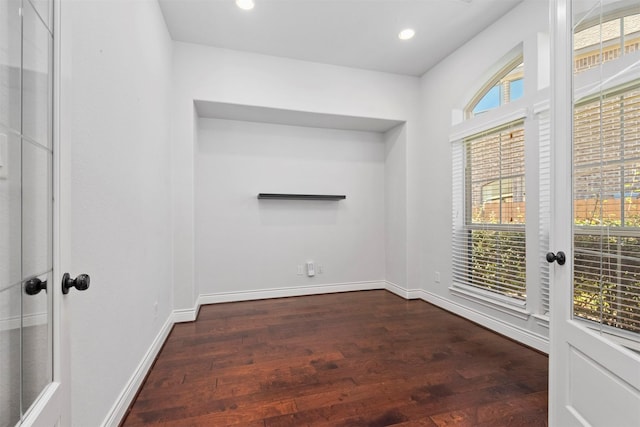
pixel 300 270
pixel 436 277
pixel 311 269
pixel 319 269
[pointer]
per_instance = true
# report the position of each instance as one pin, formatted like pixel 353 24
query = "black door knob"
pixel 560 257
pixel 81 282
pixel 34 286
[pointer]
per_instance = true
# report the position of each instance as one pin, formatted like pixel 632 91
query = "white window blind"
pixel 607 209
pixel 489 211
pixel 544 207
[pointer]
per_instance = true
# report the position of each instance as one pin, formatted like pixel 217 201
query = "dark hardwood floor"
pixel 350 359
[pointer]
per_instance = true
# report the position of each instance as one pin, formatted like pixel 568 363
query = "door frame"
pixel 53 406
pixel 561 107
pixel 569 337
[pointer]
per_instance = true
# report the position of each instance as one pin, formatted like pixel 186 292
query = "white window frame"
pixel 490 84
pixel 533 109
pixel 511 112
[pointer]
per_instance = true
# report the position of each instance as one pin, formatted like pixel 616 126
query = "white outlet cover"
pixel 311 270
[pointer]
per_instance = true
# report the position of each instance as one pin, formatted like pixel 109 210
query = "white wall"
pixel 115 115
pixel 130 180
pixel 244 245
pixel 445 88
pixel 395 190
pixel 218 75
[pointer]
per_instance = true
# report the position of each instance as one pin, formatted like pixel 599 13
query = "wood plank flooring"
pixel 346 360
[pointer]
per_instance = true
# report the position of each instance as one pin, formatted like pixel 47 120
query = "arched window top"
pixel 599 41
pixel 505 86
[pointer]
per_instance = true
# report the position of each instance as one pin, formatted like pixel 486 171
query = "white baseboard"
pixel 190 314
pixel 296 291
pixel 119 409
pixel 402 292
pixel 523 336
pixel 186 314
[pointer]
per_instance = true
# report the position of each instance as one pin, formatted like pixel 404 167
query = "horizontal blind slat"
pixel 488 211
pixel 607 210
pixel 544 209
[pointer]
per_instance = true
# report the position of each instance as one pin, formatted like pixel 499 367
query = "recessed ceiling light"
pixel 245 4
pixel 407 34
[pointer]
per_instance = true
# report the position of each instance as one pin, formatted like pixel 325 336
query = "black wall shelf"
pixel 283 196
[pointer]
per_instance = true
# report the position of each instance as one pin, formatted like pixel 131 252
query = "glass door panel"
pixel 10 64
pixel 10 214
pixel 37 201
pixel 36 341
pixel 10 209
pixel 36 210
pixel 606 164
pixel 10 354
pixel 26 204
pixel 36 77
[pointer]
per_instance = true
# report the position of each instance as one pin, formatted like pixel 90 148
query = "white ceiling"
pixel 353 33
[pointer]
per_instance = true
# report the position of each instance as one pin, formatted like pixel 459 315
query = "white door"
pixel 595 296
pixel 34 360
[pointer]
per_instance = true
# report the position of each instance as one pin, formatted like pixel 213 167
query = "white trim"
pixel 542 106
pixel 46 406
pixel 191 314
pixel 541 320
pixel 493 75
pixel 62 208
pixel 402 292
pixel 483 123
pixel 521 335
pixel 328 288
pixel 124 400
pixel 492 300
pixel 186 314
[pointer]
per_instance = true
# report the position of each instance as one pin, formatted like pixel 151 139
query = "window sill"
pixel 492 300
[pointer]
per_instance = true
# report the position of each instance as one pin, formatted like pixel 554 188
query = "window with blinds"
pixel 489 236
pixel 607 209
pixel 606 41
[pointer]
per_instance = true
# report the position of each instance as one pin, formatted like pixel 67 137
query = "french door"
pixel 595 289
pixel 33 385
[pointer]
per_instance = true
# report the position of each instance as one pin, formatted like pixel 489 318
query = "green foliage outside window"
pixel 607 273
pixel 498 261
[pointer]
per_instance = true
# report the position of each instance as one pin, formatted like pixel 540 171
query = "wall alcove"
pixel 284 156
